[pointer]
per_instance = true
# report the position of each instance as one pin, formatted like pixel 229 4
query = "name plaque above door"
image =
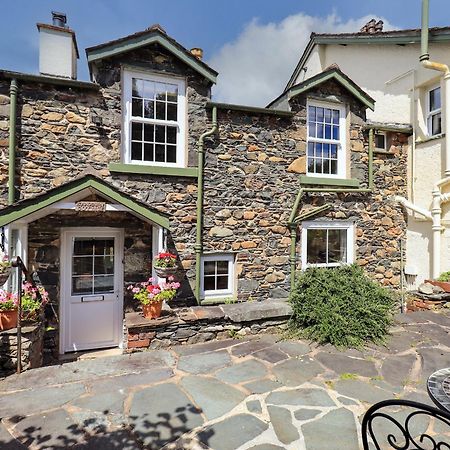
pixel 90 206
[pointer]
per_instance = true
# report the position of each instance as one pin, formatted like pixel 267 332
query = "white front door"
pixel 91 288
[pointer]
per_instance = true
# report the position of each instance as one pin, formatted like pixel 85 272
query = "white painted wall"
pixel 57 54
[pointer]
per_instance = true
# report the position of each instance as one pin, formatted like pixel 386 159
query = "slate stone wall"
pixel 251 173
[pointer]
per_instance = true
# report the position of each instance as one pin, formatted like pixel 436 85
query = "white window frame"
pixel 382 133
pixel 128 76
pixel 330 225
pixel 341 143
pixel 430 113
pixel 218 293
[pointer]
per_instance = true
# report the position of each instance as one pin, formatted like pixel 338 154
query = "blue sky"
pixel 254 44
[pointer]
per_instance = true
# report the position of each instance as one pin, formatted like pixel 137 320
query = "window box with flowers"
pixel 151 296
pixel 165 265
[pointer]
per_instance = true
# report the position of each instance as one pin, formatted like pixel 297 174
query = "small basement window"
pixel 217 276
pixel 380 140
pixel 327 244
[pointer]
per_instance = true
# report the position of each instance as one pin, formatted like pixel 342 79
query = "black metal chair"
pixel 386 426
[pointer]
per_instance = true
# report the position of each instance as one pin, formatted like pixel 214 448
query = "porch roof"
pixel 24 208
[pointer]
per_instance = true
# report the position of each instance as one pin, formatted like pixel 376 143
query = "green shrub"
pixel 340 306
pixel 444 276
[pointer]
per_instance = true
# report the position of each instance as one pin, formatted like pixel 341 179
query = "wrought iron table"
pixel 438 386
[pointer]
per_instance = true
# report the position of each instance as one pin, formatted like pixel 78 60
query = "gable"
pixel 151 36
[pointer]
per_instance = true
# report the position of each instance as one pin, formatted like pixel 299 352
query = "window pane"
pixel 336 116
pixel 149 131
pixel 137 88
pixel 210 267
pixel 148 152
pixel 222 267
pixel 171 154
pixel 103 284
pixel 326 166
pixel 82 285
pixel 104 247
pixel 337 246
pixel 333 166
pixel 327 115
pixel 336 133
pixel 160 91
pixel 380 141
pixel 319 130
pixel 316 246
pixel 136 131
pixel 149 89
pixel 172 92
pixel 161 110
pixel 82 265
pixel 435 99
pixel 83 246
pixel 333 151
pixel 222 282
pixel 319 114
pixel 171 111
pixel 327 131
pixel 103 265
pixel 136 109
pixel 209 283
pixel 160 133
pixel 149 109
pixel 171 135
pixel 136 150
pixel 311 113
pixel 436 124
pixel 318 166
pixel 160 153
pixel 310 165
pixel 310 149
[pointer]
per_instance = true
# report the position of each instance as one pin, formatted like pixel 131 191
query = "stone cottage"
pixel 97 177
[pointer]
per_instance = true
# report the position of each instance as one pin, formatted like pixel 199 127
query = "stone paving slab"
pixel 244 394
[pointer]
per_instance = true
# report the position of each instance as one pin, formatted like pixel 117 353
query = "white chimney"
pixel 58 52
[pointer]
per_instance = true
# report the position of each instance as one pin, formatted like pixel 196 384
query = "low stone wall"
pixel 32 349
pixel 201 324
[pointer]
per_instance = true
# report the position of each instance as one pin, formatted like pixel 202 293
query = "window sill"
pixel 219 300
pixel 153 170
pixel 430 138
pixel 324 181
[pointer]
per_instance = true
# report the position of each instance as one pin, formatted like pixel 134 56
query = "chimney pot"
pixel 59 19
pixel 197 52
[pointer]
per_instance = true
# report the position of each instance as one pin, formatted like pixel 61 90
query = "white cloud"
pixel 255 67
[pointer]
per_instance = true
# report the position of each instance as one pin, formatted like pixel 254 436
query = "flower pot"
pixel 8 319
pixel 4 275
pixel 165 272
pixel 152 310
pixel 442 284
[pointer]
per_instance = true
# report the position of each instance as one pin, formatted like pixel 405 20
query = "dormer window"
pixel 434 111
pixel 326 140
pixel 154 127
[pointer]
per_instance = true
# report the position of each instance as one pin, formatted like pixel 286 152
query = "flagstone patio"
pixel 255 393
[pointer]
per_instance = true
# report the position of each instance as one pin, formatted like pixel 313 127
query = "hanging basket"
pixel 152 310
pixel 165 272
pixel 8 319
pixel 4 275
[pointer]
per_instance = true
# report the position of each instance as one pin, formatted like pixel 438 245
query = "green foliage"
pixel 444 276
pixel 340 306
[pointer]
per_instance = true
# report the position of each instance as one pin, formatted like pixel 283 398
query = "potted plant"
pixel 8 310
pixel 165 265
pixel 151 296
pixel 443 281
pixel 5 269
pixel 32 303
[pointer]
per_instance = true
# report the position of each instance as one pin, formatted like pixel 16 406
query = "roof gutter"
pixel 13 90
